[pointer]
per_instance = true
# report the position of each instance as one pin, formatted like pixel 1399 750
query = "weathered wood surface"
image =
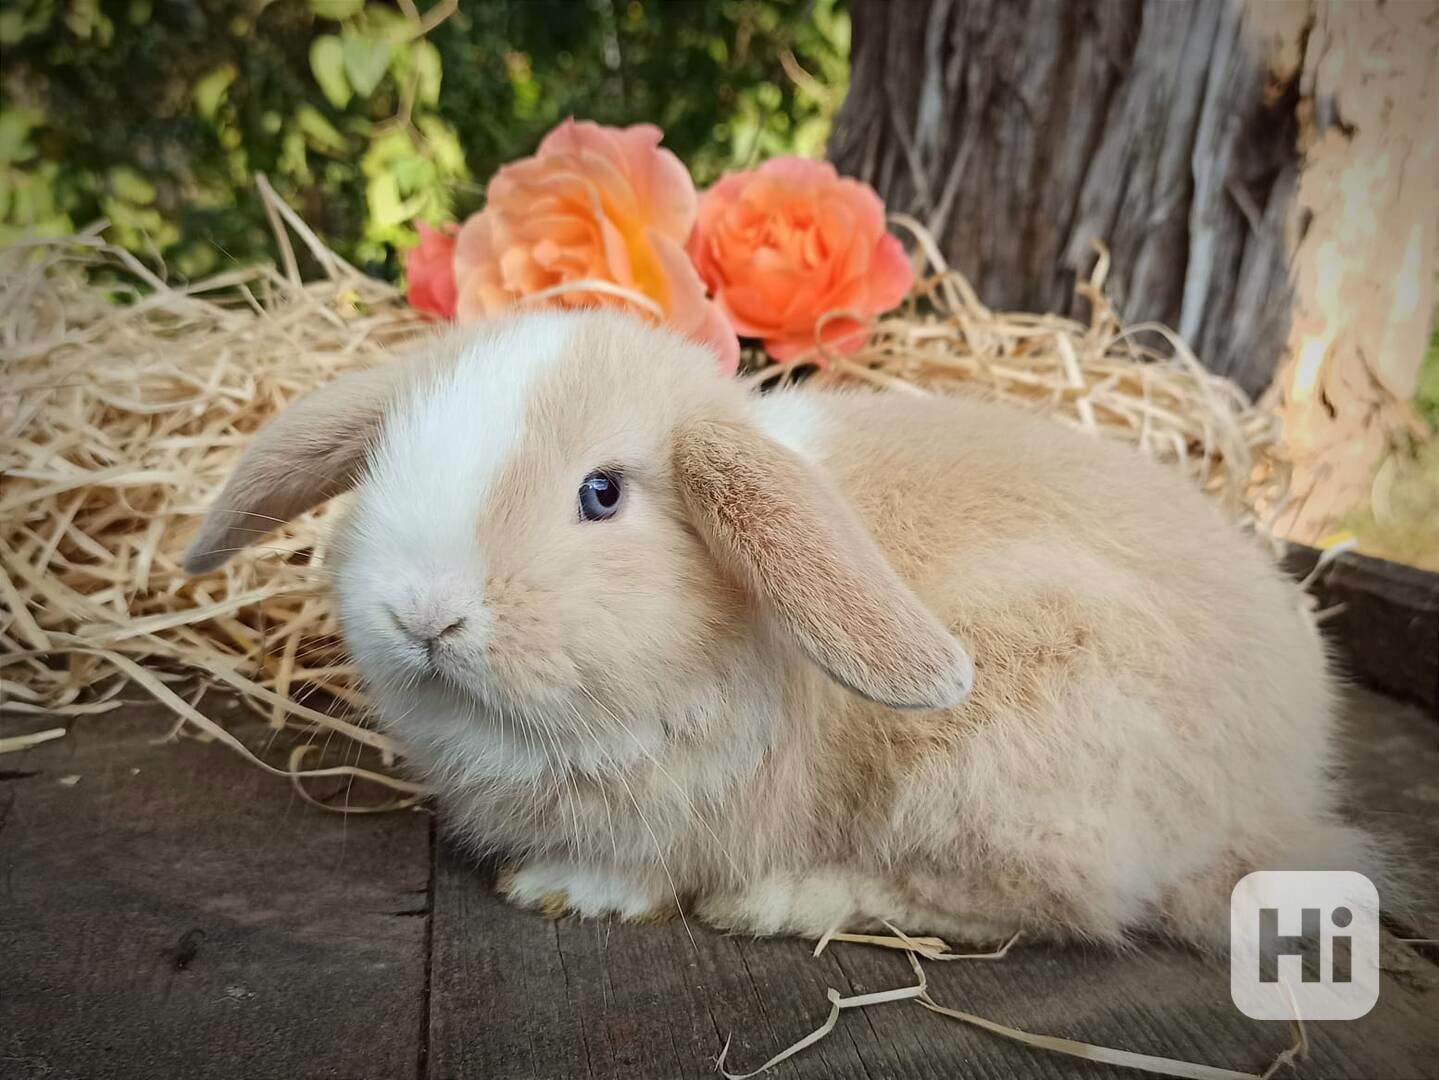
pixel 1215 149
pixel 320 958
pixel 1391 772
pixel 1020 132
pixel 1261 175
pixel 1384 621
pixel 1364 233
pixel 514 996
pixel 175 913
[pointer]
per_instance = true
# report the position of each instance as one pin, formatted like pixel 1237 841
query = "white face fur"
pixel 479 605
pixel 412 576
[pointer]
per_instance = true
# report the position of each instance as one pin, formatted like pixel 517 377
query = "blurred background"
pixel 367 115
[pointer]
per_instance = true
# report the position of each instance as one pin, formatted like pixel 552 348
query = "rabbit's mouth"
pixel 447 709
pixel 531 691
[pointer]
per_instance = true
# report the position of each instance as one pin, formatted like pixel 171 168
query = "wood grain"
pixel 1383 619
pixel 1022 130
pixel 1185 138
pixel 174 912
pixel 1261 175
pixel 579 999
pixel 516 996
pixel 1390 763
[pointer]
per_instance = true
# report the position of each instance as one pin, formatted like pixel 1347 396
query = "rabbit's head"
pixel 561 518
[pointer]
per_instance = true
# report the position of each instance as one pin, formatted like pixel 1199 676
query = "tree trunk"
pixel 1363 265
pixel 1262 175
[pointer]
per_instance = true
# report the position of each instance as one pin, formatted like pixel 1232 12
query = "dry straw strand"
pixel 129 398
pixel 16 743
pixel 922 947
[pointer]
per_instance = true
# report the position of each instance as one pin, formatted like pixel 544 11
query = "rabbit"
pixel 806 660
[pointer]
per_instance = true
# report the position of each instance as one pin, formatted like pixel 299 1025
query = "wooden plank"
pixel 174 912
pixel 1157 1000
pixel 517 996
pixel 1391 770
pixel 1386 621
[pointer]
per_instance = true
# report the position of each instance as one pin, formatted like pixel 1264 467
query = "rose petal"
pixel 472 245
pixel 784 245
pixel 891 275
pixel 797 172
pixel 689 311
pixel 591 203
pixel 715 331
pixel 430 271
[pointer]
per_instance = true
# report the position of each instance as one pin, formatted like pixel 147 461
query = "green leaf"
pixel 1428 396
pixel 387 209
pixel 82 16
pixel 292 160
pixel 196 260
pixel 383 195
pixel 444 146
pixel 415 173
pixel 210 90
pixel 392 146
pixel 366 59
pixel 15 27
pixel 810 135
pixel 327 61
pixel 319 131
pixel 387 22
pixel 130 186
pixel 337 9
pixel 16 123
pixel 427 65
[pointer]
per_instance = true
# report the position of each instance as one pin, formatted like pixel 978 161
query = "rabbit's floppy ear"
pixel 310 452
pixel 780 527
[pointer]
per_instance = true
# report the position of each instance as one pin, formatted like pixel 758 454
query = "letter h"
pixel 1273 945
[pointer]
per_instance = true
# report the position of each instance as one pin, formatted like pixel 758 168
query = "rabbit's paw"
pixel 556 889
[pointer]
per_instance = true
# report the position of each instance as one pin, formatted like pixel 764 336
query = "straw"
pixel 129 398
pixel 127 401
pixel 15 743
pixel 923 947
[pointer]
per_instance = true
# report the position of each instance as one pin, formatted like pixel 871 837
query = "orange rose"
pixel 594 204
pixel 430 271
pixel 783 245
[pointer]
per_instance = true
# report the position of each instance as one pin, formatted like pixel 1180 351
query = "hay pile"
pixel 126 405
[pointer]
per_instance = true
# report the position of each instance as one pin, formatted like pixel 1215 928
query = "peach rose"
pixel 430 271
pixel 782 245
pixel 597 204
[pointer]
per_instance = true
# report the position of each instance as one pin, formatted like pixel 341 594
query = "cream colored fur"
pixel 634 713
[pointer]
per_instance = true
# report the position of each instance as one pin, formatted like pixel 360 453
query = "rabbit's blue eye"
pixel 600 496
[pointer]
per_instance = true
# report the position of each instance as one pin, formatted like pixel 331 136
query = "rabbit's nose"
pixel 427 628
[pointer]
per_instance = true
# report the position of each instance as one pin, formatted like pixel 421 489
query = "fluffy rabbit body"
pixel 745 686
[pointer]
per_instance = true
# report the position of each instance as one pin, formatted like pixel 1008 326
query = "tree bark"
pixel 1363 265
pixel 1248 164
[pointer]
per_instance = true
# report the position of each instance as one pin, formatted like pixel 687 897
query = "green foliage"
pixel 156 114
pixel 30 188
pixel 1428 397
pixel 711 75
